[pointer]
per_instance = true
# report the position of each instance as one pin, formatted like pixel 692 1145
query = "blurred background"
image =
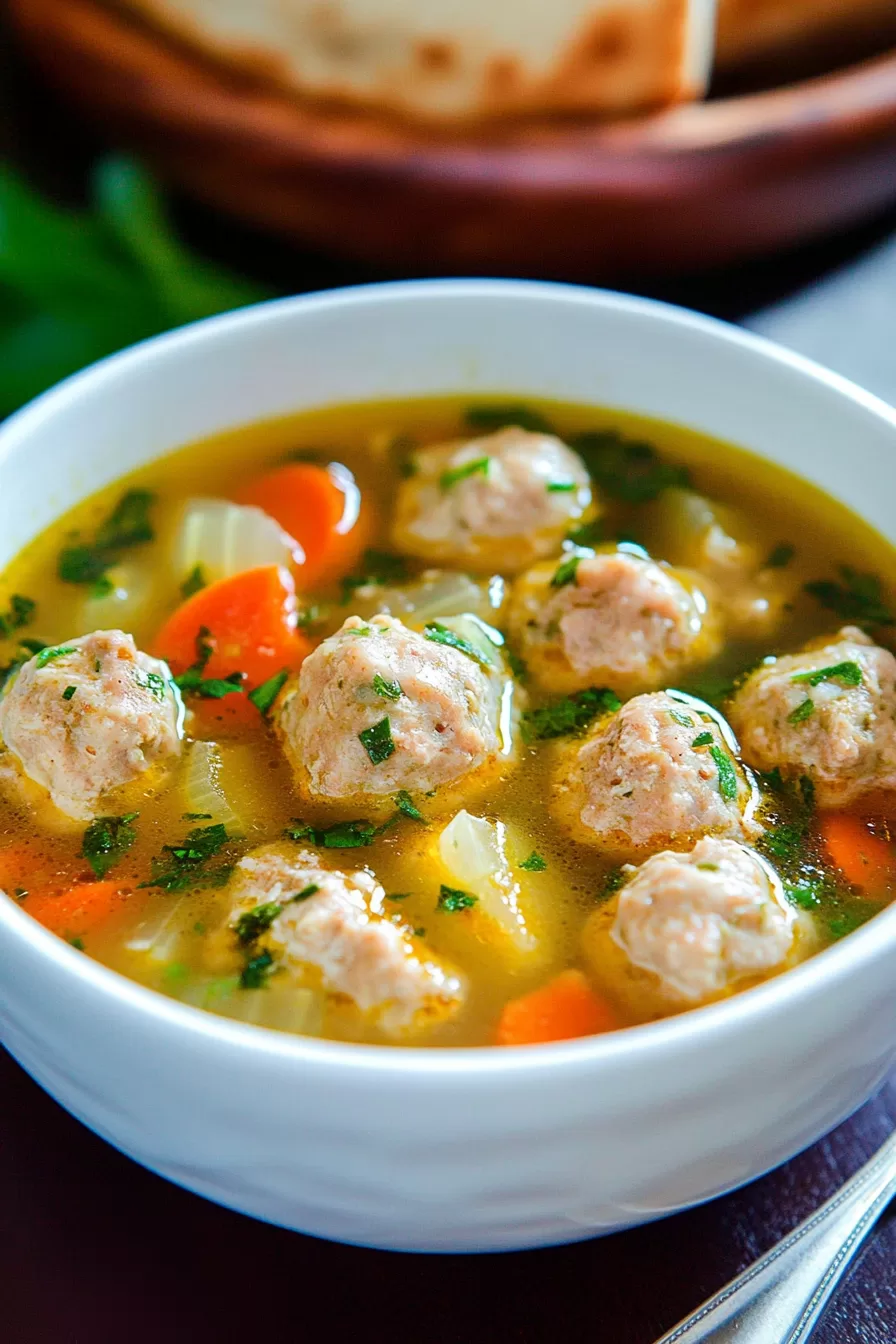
pixel 161 160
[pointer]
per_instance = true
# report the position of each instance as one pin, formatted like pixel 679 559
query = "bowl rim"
pixel 743 1011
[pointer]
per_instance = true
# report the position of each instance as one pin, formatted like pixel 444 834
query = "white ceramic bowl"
pixel 466 1149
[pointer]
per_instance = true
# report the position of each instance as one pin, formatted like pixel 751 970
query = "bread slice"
pixel 457 60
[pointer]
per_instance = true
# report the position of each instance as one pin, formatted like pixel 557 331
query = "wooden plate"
pixel 703 184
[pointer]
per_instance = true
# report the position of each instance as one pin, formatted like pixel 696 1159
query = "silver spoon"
pixel 781 1297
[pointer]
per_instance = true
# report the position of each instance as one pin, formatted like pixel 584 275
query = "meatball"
pixel 378 708
pixel 698 925
pixel 827 713
pixel 497 503
pixel 90 716
pixel 659 772
pixel 334 922
pixel 616 618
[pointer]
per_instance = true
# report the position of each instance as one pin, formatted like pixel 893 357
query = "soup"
pixel 429 723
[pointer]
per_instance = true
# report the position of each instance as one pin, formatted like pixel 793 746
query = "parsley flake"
pixel 440 634
pixel 627 470
pixel 194 582
pixel 489 417
pixel 479 467
pixel 377 742
pixel 452 899
pixel 803 711
pixel 849 673
pixel 727 773
pixel 253 923
pixel 587 534
pixel 19 613
pixel 69 692
pixel 566 572
pixel 192 682
pixel 127 525
pixel 703 740
pixel 50 655
pixel 573 714
pixel 681 719
pixel 389 690
pixel 781 556
pixel 858 598
pixel 534 864
pixel 405 804
pixel 107 840
pixel 256 972
pixel 561 487
pixel 264 695
pixel 185 866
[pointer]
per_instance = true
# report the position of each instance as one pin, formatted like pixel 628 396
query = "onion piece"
pixel 202 789
pixel 433 596
pixel 279 1007
pixel 474 851
pixel 125 607
pixel 223 539
pixel 159 936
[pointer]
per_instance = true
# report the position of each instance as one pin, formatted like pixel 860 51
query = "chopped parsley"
pixel 858 598
pixel 397 895
pixel 342 835
pixel 780 556
pixel 614 879
pixel 806 895
pixel 803 711
pixel 517 665
pixel 489 417
pixel 703 740
pixel 69 692
pixel 305 894
pixel 566 572
pixel 587 534
pixel 264 695
pixel 440 634
pixel 187 865
pixel 561 487
pixel 253 923
pixel 452 899
pixel 153 683
pixel 405 804
pixel 573 714
pixel 377 742
pixel 682 719
pixel 128 524
pixel 629 471
pixel 19 614
pixel 194 582
pixel 727 773
pixel 849 673
pixel 107 840
pixel 479 467
pixel 256 972
pixel 77 944
pixel 192 682
pixel 534 864
pixel 50 655
pixel 378 568
pixel 389 690
pixel 27 648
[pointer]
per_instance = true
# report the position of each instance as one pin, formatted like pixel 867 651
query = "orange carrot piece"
pixel 565 1007
pixel 24 868
pixel 866 860
pixel 321 508
pixel 78 910
pixel 251 620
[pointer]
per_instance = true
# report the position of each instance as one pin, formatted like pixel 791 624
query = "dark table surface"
pixel 93 1249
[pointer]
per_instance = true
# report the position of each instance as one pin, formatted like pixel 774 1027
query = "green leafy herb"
pixel 192 682
pixel 849 673
pixel 20 613
pixel 566 572
pixel 77 943
pixel 517 665
pixel 253 923
pixel 573 714
pixel 107 840
pixel 378 568
pixel 311 616
pixel 197 816
pixel 708 867
pixel 587 534
pixel 69 692
pixel 175 973
pixel 389 690
pixel 479 467
pixel 727 773
pixel 405 804
pixel 440 634
pixel 397 895
pixel 561 487
pixel 419 932
pixel 534 864
pixel 781 556
pixel 342 835
pixel 50 655
pixel 703 740
pixel 488 417
pixel 152 682
pixel 199 927
pixel 187 865
pixel 264 695
pixel 627 470
pixel 257 971
pixel 127 525
pixel 681 719
pixel 805 895
pixel 848 921
pixel 858 598
pixel 452 899
pixel 614 879
pixel 377 742
pixel 360 630
pixel 305 894
pixel 803 711
pixel 193 583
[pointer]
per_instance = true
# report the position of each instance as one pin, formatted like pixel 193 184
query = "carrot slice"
pixel 866 860
pixel 565 1007
pixel 78 910
pixel 321 508
pixel 251 623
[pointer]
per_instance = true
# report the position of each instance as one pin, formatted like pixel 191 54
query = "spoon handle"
pixel 780 1298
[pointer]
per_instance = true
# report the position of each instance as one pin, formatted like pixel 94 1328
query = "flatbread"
pixel 456 60
pixel 752 29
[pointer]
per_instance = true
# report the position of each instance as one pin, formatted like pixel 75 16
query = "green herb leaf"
pixel 20 613
pixel 488 417
pixel 681 719
pixel 806 895
pixel 342 835
pixel 561 487
pixel 77 943
pixel 305 894
pixel 625 469
pixel 803 711
pixel 253 923
pixel 440 634
pixel 389 690
pixel 405 804
pixel 534 864
pixel 264 695
pixel 566 572
pixel 193 583
pixel 69 692
pixel 858 598
pixel 781 556
pixel 517 665
pixel 185 866
pixel 703 740
pixel 50 655
pixel 587 534
pixel 727 773
pixel 107 840
pixel 849 673
pixel 573 714
pixel 614 880
pixel 152 682
pixel 397 895
pixel 257 971
pixel 377 742
pixel 129 523
pixel 707 867
pixel 479 467
pixel 378 569
pixel 452 899
pixel 192 682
